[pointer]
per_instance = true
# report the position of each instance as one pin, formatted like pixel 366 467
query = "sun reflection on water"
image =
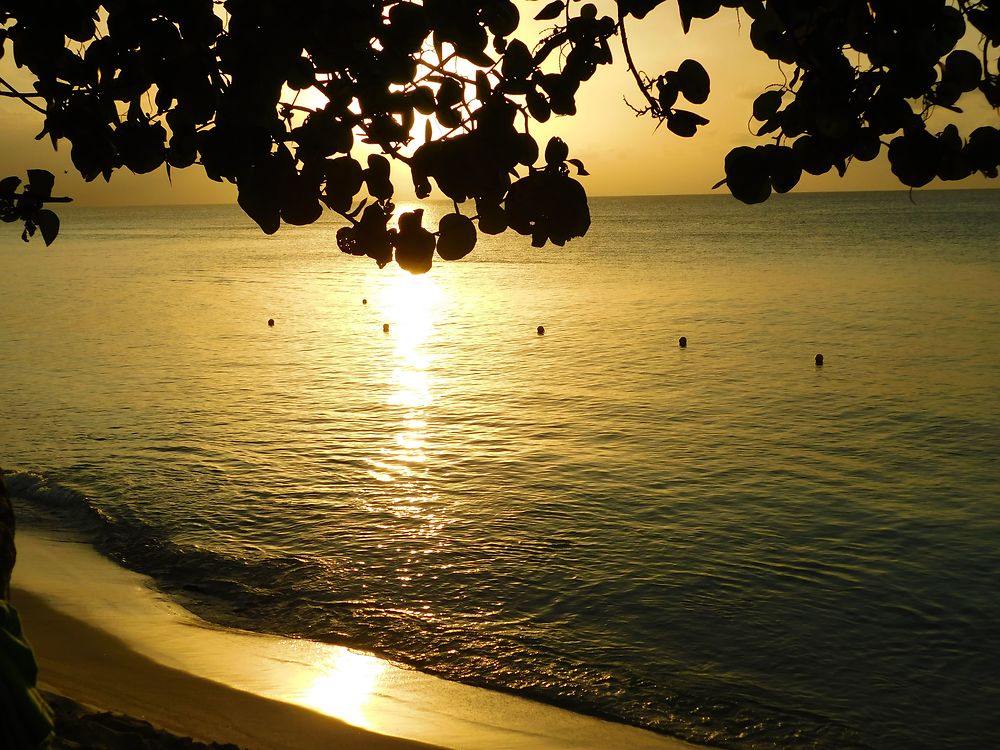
pixel 409 303
pixel 403 463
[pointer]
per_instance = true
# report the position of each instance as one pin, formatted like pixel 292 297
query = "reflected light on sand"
pixel 347 683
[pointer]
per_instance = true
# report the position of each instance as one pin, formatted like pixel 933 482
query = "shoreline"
pixel 98 670
pixel 104 637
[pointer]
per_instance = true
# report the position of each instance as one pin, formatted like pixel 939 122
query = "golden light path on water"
pixel 408 302
pixel 349 680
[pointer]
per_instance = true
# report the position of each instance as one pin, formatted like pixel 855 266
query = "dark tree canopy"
pixel 303 103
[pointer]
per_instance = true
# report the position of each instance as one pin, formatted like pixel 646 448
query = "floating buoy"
pixel 385 328
pixel 541 330
pixel 819 360
pixel 270 322
pixel 682 342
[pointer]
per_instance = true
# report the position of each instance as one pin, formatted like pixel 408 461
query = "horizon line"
pixel 902 189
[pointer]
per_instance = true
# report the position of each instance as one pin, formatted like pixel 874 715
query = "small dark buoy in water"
pixel 541 330
pixel 270 322
pixel 819 360
pixel 364 301
pixel 385 328
pixel 683 342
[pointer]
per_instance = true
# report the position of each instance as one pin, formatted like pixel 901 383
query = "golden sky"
pixel 625 155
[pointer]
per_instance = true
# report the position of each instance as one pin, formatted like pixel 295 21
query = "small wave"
pixel 240 586
pixel 43 501
pixel 265 590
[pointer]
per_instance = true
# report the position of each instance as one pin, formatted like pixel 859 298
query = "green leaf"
pixel 48 222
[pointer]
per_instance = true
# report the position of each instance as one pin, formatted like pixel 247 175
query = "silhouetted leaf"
pixel 866 145
pixel 551 10
pixel 767 33
pixel 814 154
pixel 638 8
pixel 483 88
pixel 527 150
pixel 696 9
pixel 517 61
pixel 857 73
pixel 767 105
pixel 501 16
pixel 982 151
pixel 556 151
pixel 414 245
pixel 963 70
pixel 457 236
pixel 538 107
pixel 48 223
pixel 693 81
pixel 547 206
pixel 913 158
pixel 783 167
pixel 40 183
pixel 377 177
pixel 357 210
pixel 9 184
pixel 667 94
pixel 684 123
pixel 747 175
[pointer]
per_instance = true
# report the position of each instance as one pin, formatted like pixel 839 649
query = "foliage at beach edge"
pixel 306 105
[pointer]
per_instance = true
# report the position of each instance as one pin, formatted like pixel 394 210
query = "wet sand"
pixel 97 669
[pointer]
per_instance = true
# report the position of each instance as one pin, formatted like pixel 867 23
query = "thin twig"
pixel 40 199
pixel 653 104
pixel 22 96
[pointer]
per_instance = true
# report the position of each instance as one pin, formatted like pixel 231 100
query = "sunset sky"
pixel 664 470
pixel 624 154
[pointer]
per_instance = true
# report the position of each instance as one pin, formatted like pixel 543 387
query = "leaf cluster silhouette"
pixel 306 105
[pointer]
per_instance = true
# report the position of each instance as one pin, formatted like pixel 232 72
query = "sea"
pixel 723 542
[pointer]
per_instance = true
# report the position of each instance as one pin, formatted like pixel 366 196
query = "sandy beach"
pixel 97 669
pixel 106 639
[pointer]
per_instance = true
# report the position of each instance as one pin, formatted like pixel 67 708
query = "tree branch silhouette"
pixel 23 96
pixel 160 83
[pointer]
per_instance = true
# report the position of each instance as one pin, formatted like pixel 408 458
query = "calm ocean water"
pixel 724 543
